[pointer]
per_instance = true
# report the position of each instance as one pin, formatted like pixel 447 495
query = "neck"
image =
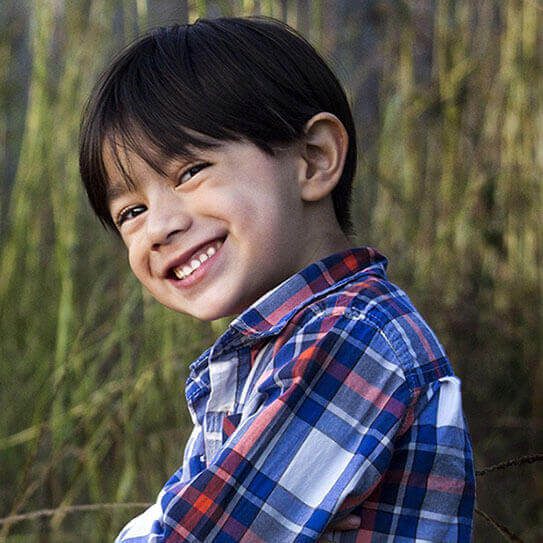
pixel 329 243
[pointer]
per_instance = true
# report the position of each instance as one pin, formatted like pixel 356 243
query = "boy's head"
pixel 196 101
pixel 227 78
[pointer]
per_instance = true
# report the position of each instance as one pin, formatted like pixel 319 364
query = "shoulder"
pixel 370 315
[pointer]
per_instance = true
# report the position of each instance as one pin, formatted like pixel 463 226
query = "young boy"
pixel 223 154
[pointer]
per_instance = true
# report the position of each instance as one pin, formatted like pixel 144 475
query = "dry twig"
pixel 70 509
pixel 504 530
pixel 521 460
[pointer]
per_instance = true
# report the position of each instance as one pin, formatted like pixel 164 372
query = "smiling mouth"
pixel 196 260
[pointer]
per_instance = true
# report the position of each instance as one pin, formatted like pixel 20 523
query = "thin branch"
pixel 528 459
pixel 504 530
pixel 70 509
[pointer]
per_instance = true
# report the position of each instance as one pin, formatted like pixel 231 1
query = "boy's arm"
pixel 337 400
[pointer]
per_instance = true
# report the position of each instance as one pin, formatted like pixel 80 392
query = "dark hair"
pixel 226 79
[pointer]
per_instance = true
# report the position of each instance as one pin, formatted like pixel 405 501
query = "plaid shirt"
pixel 330 395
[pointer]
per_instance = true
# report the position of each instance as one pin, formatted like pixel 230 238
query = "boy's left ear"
pixel 323 150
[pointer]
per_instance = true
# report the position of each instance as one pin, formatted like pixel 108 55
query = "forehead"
pixel 122 156
pixel 124 165
pixel 129 148
pixel 121 168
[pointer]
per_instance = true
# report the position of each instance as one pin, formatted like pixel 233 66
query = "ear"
pixel 323 149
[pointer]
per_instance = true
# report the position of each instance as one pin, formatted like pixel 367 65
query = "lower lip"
pixel 199 273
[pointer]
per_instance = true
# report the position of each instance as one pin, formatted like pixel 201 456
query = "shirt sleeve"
pixel 148 526
pixel 334 399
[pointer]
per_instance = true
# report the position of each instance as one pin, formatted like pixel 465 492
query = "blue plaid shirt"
pixel 330 395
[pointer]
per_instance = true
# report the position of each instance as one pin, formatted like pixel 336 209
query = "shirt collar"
pixel 270 313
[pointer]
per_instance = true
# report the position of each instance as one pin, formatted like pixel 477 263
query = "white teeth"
pixel 184 271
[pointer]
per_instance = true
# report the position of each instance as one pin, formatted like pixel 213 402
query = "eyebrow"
pixel 115 191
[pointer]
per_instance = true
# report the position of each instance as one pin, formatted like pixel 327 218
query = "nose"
pixel 167 217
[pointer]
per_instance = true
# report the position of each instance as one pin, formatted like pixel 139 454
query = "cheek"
pixel 136 264
pixel 230 207
pixel 250 210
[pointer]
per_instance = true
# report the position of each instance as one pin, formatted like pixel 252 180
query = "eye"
pixel 188 174
pixel 128 213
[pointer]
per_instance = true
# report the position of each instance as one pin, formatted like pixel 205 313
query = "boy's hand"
pixel 351 522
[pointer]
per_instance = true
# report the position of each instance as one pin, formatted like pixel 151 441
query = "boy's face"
pixel 217 233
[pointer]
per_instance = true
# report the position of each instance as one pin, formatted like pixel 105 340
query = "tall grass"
pixel 449 187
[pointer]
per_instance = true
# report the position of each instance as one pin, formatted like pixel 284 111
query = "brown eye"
pixel 129 213
pixel 188 174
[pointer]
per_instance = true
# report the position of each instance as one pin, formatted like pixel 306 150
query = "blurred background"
pixel 448 100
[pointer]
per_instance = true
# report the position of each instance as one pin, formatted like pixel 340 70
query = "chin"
pixel 206 308
pixel 207 314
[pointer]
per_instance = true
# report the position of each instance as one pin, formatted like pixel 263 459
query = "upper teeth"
pixel 181 272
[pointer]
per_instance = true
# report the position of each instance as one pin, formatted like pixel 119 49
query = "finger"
pixel 348 523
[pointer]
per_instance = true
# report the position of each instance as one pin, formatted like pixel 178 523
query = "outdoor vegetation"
pixel 448 99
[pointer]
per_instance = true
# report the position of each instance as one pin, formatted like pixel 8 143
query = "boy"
pixel 223 154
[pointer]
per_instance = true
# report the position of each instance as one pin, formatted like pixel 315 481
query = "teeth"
pixel 183 272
